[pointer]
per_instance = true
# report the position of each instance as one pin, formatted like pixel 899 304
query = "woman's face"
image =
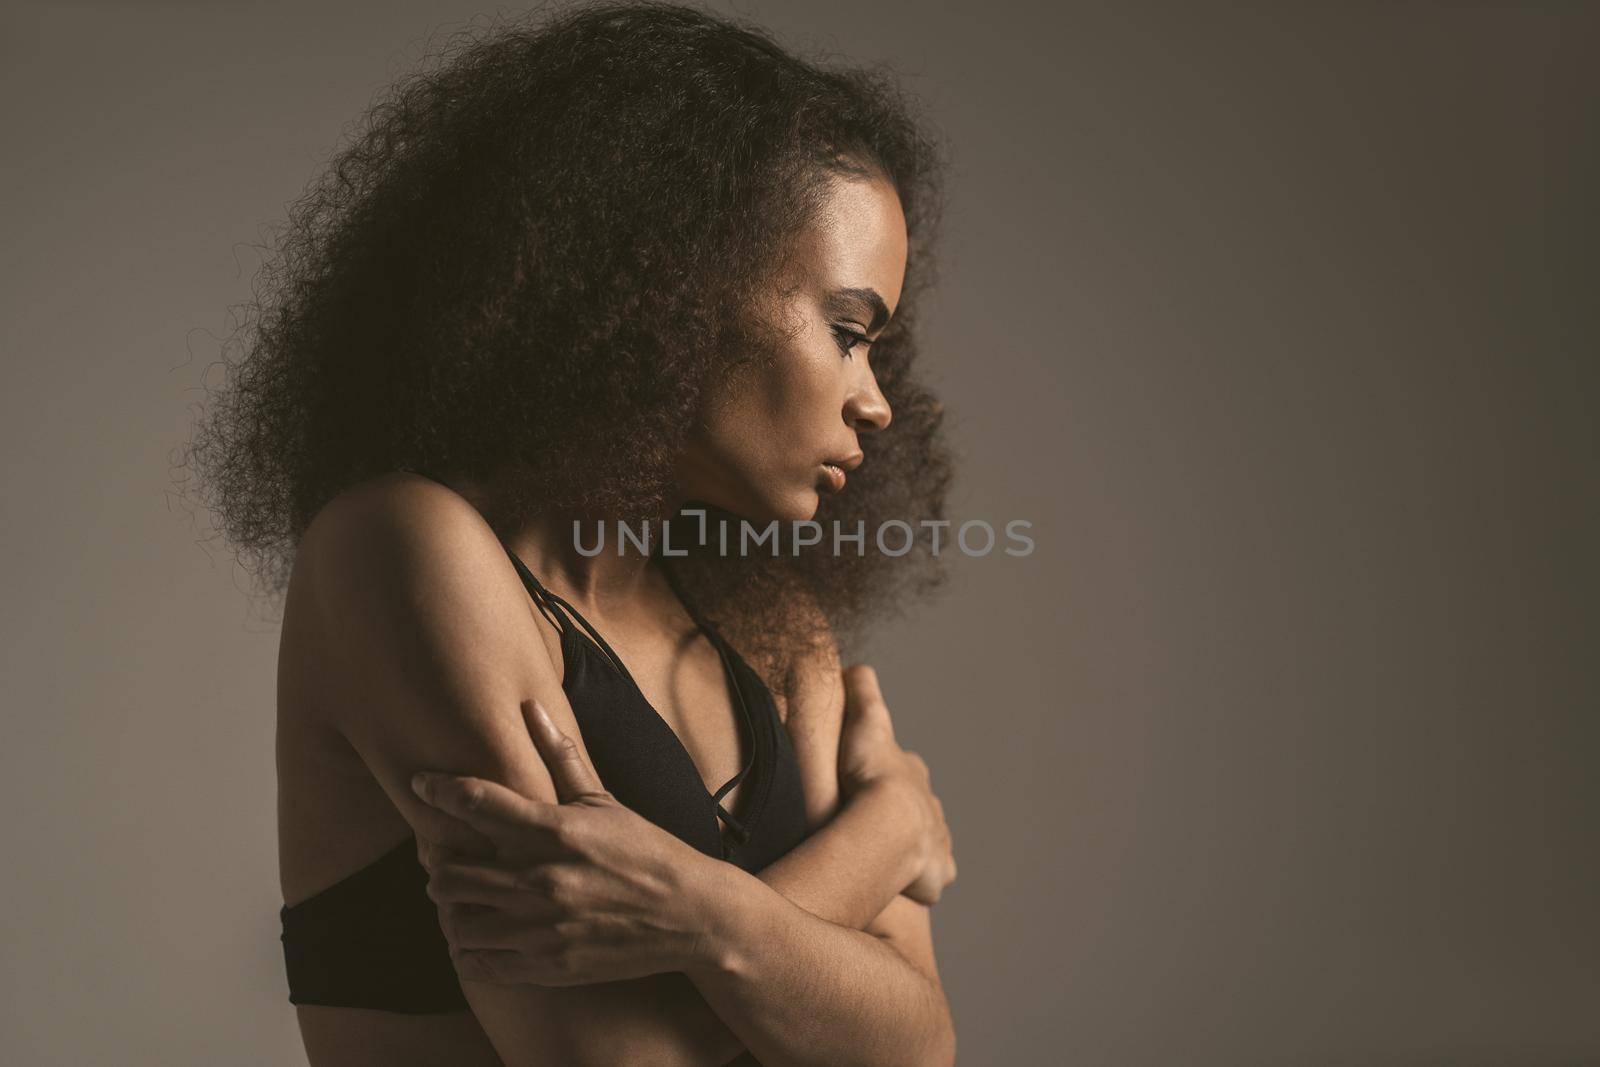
pixel 780 435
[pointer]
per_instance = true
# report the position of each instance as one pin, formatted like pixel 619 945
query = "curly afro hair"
pixel 541 250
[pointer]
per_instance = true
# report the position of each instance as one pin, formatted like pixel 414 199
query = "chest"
pixel 671 676
pixel 684 733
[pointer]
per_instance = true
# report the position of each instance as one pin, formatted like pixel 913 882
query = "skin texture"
pixel 410 645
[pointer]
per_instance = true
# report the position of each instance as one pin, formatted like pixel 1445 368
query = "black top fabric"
pixel 372 940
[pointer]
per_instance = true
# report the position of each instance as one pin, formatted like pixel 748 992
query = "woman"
pixel 636 263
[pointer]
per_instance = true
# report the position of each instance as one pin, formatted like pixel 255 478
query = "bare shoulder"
pixel 401 562
pixel 402 535
pixel 394 518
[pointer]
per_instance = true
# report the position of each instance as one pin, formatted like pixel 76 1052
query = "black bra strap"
pixel 541 595
pixel 567 611
pixel 735 828
pixel 615 659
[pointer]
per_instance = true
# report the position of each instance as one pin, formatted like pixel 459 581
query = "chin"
pixel 794 510
pixel 796 506
pixel 804 505
pixel 761 501
pixel 759 510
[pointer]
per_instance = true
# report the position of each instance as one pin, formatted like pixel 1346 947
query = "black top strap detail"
pixel 616 660
pixel 568 611
pixel 734 826
pixel 727 786
pixel 541 595
pixel 735 829
pixel 714 634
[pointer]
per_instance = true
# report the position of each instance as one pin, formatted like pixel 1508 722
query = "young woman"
pixel 544 806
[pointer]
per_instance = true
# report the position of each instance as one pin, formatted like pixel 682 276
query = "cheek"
pixel 778 421
pixel 803 394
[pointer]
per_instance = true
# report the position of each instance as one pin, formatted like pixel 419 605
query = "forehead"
pixel 859 238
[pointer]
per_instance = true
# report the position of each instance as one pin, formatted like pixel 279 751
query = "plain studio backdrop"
pixel 1276 322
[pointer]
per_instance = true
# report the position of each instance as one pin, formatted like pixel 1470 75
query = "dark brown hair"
pixel 542 248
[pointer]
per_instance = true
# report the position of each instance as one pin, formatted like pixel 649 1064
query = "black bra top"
pixel 372 940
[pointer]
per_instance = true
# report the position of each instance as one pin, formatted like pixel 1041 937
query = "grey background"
pixel 1277 321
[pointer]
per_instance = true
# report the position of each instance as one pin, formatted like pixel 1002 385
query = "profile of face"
pixel 782 433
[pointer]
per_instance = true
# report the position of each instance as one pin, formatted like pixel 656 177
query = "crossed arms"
pixel 819 959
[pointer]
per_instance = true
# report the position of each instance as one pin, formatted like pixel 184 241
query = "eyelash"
pixel 849 339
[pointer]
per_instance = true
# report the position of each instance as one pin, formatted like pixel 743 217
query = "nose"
pixel 867 409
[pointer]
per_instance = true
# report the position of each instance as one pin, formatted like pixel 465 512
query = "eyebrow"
pixel 843 301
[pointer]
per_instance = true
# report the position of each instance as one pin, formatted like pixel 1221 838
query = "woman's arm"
pixel 847 710
pixel 428 628
pixel 589 891
pixel 877 828
pixel 800 991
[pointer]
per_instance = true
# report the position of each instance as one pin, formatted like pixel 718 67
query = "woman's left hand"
pixel 581 891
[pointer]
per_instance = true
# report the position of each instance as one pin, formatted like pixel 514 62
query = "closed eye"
pixel 849 339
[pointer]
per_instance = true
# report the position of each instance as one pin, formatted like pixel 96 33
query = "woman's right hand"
pixel 870 758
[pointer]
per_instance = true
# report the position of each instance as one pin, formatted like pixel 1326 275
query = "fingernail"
pixel 544 716
pixel 419 784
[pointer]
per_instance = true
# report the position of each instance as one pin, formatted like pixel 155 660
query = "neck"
pixel 583 557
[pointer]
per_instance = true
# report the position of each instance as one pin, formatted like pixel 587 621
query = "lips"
pixel 834 469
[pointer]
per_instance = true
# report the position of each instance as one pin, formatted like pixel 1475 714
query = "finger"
pixel 485 806
pixel 470 926
pixel 863 697
pixel 431 854
pixel 528 887
pixel 473 883
pixel 568 771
